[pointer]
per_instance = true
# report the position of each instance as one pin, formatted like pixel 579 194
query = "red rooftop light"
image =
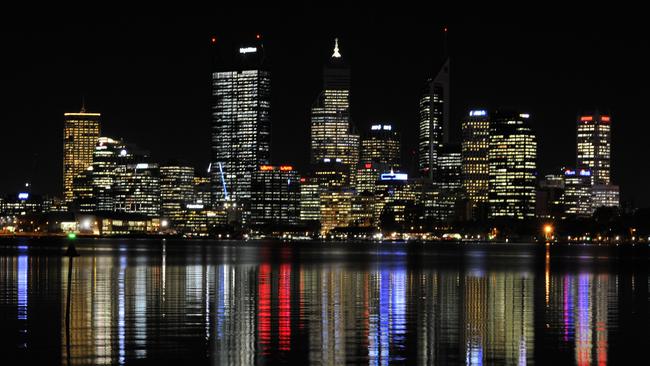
pixel 213 40
pixel 258 36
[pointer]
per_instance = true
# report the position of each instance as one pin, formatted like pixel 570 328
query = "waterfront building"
pixel 80 134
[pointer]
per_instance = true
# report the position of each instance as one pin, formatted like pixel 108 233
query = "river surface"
pixel 159 302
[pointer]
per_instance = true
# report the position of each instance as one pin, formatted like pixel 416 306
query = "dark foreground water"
pixel 163 302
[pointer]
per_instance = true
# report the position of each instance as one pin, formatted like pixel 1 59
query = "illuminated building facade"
pixel 594 146
pixel 335 209
pixel 549 201
pixel 392 194
pixel 241 126
pixel 332 137
pixel 367 175
pixel 448 182
pixel 80 134
pixel 275 196
pixel 475 155
pixel 109 154
pixel 434 120
pixel 363 210
pixel 82 192
pixel 137 189
pixel 604 195
pixel 309 199
pixel 512 158
pixel 381 146
pixel 577 192
pixel 176 191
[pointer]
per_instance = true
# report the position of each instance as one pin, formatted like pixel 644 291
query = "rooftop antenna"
pixel 336 53
pixel 445 42
pixel 83 104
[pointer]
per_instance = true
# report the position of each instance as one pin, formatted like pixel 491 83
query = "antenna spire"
pixel 83 104
pixel 336 53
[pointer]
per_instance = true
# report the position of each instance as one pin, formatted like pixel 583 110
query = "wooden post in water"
pixel 71 252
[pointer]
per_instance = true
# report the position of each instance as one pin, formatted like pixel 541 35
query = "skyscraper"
pixel 275 196
pixel 448 182
pixel 434 120
pixel 512 158
pixel 241 124
pixel 594 146
pixel 577 192
pixel 475 151
pixel 137 189
pixel 382 145
pixel 332 134
pixel 109 154
pixel 176 191
pixel 80 134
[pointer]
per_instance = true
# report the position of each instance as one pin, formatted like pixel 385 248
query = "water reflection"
pixel 251 305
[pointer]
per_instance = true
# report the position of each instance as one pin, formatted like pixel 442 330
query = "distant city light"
pixel 394 176
pixel 524 115
pixel 245 50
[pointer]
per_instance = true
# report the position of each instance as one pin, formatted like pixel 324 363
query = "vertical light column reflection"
pixel 583 322
pixel 140 314
pixel 264 308
pixel 21 283
pixel 121 310
pixel 284 307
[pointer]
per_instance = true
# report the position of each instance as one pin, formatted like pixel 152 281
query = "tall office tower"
pixel 241 125
pixel 381 146
pixel 109 154
pixel 332 137
pixel 512 157
pixel 80 134
pixel 335 209
pixel 549 200
pixel 176 191
pixel 434 120
pixel 82 192
pixel 448 182
pixel 137 189
pixel 367 176
pixel 577 192
pixel 309 199
pixel 475 149
pixel 393 195
pixel 604 195
pixel 202 190
pixel 275 196
pixel 594 146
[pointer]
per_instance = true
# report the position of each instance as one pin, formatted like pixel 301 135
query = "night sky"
pixel 149 76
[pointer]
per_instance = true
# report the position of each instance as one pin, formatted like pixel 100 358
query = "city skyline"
pixel 556 150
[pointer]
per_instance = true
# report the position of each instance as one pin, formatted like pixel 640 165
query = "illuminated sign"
pixel 267 167
pixel 569 172
pixel 524 115
pixel 477 113
pixel 245 50
pixel 375 127
pixel 285 168
pixel 338 160
pixel 122 152
pixel 326 160
pixel 23 196
pixel 303 180
pixel 194 206
pixel 388 127
pixel 142 166
pixel 394 176
pixel 586 118
pixel 585 173
pixel 604 118
pixel 368 165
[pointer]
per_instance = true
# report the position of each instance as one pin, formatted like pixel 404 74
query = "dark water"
pixel 163 302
